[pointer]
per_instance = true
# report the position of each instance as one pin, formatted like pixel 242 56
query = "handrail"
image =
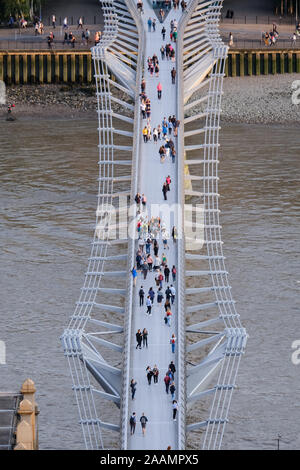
pixel 131 245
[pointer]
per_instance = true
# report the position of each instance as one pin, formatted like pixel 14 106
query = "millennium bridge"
pixel 100 340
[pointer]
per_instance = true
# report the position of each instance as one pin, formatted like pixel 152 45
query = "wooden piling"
pixel 32 69
pixel 49 68
pixel 41 69
pixel 25 68
pixel 1 68
pixel 242 64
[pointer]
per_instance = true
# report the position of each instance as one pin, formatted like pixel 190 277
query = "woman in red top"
pixel 168 181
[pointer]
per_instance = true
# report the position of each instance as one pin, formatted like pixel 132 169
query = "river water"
pixel 48 175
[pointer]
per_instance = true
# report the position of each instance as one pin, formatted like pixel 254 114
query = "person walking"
pixel 173 293
pixel 155 374
pixel 165 190
pixel 168 180
pixel 143 85
pixel 87 36
pixel 145 270
pixel 80 23
pixel 153 24
pixel 175 408
pixel 163 32
pixel 65 23
pixel 142 296
pixel 172 390
pixel 149 305
pixel 132 422
pixel 134 275
pixel 173 75
pixel 174 272
pixel 167 381
pixel 144 421
pixel 167 273
pixel 159 90
pixel 167 305
pixel 53 21
pixel 139 339
pixel 151 293
pixel 149 374
pixel 172 368
pixel 133 388
pixel 149 25
pixel 160 296
pixel 145 338
pixel 173 342
pixel 168 293
pixel 160 279
pixel 174 234
pixel 168 317
pixel 171 375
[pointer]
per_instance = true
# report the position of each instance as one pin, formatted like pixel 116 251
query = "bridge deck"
pixel 161 430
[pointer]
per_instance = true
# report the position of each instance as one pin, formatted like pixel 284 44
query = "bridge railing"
pixel 131 243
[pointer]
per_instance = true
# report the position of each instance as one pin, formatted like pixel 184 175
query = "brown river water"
pixel 48 185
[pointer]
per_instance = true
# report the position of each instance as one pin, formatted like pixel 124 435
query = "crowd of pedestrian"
pixel 270 38
pixel 151 257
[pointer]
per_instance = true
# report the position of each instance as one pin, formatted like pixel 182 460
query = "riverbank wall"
pixel 77 67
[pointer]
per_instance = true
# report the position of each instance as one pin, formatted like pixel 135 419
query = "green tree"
pixel 18 8
pixel 15 8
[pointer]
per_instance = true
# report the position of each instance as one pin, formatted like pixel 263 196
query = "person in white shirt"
pixel 173 293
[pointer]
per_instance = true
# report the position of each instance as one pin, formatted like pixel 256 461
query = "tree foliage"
pixel 18 8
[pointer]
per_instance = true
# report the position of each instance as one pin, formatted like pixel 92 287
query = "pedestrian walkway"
pixel 161 430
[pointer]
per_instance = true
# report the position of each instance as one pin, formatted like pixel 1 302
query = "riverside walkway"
pixel 153 400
